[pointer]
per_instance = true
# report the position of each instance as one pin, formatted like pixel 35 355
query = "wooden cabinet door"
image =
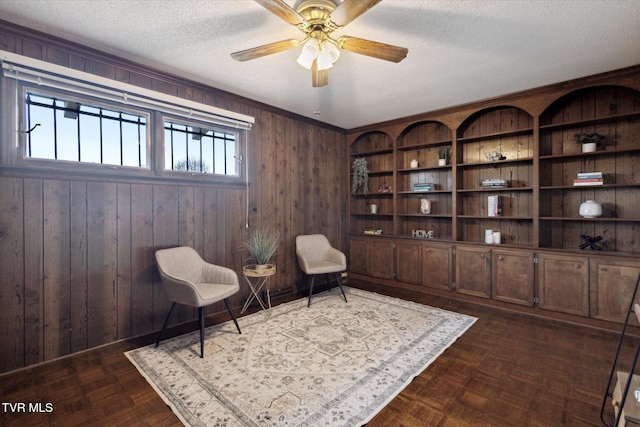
pixel 359 256
pixel 437 265
pixel 563 283
pixel 512 276
pixel 381 258
pixel 611 286
pixel 473 271
pixel 408 262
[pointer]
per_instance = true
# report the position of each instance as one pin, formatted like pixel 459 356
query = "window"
pixel 193 148
pixel 63 129
pixel 57 116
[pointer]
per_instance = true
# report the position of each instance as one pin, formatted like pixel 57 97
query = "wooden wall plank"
pixel 79 268
pixel 57 307
pixel 124 244
pixel 186 237
pixel 142 259
pixel 12 292
pixel 102 256
pixel 165 235
pixel 34 274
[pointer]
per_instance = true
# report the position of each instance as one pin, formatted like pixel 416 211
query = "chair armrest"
pixel 304 265
pixel 337 257
pixel 218 274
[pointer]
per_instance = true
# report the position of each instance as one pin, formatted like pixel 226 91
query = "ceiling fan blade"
pixel 283 11
pixel 319 78
pixel 264 50
pixel 349 10
pixel 370 48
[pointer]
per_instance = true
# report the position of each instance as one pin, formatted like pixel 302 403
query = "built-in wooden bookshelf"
pixel 519 150
pixel 538 160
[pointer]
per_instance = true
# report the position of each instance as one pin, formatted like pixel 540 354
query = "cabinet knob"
pixel 481 255
pixel 576 265
pixel 500 257
pixel 428 249
pixel 603 268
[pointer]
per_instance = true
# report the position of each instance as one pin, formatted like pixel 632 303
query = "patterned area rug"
pixel 332 364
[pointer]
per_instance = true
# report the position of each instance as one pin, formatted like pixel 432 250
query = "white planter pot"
pixel 442 162
pixel 589 147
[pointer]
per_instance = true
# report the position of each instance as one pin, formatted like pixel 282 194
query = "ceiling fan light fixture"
pixel 309 53
pixel 318 19
pixel 328 54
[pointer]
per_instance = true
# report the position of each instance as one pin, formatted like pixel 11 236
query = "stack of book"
pixel 589 178
pixel 424 186
pixel 373 232
pixel 494 183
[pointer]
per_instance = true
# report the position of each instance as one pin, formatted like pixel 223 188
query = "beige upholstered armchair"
pixel 317 256
pixel 188 279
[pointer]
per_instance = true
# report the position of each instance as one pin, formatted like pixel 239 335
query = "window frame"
pixel 21 72
pixel 24 160
pixel 178 174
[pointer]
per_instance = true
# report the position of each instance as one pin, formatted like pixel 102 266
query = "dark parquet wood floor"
pixel 508 369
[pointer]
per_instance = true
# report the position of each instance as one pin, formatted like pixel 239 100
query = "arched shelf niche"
pixel 377 149
pixel 614 113
pixel 494 165
pixel 423 179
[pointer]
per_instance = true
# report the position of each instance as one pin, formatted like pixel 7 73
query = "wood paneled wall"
pixel 76 251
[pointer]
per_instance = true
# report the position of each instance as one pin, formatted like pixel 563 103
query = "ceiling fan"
pixel 317 19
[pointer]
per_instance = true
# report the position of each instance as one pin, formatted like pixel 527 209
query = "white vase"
pixel 589 147
pixel 442 162
pixel 590 209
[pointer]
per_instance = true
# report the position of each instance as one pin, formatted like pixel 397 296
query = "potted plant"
pixel 360 176
pixel 443 154
pixel 262 244
pixel 589 141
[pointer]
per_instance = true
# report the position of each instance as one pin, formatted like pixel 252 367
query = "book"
pixel 494 206
pixel 425 186
pixel 373 232
pixel 494 183
pixel 588 175
pixel 588 181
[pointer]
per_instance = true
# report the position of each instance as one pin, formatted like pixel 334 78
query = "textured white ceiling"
pixel 459 51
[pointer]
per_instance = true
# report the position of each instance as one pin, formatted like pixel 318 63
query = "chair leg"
pixel 164 325
pixel 201 316
pixel 341 288
pixel 233 316
pixel 311 290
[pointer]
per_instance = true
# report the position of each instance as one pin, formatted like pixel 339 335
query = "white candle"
pixel 496 237
pixel 488 236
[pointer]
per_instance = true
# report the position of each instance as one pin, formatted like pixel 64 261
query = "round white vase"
pixel 589 147
pixel 590 209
